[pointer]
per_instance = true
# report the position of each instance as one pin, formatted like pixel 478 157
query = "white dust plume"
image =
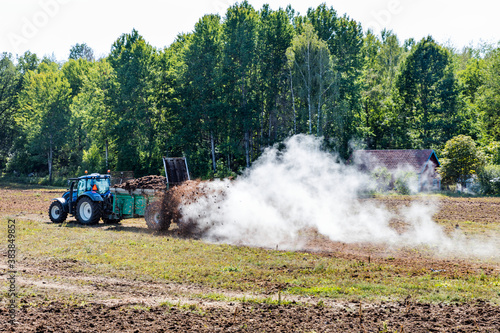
pixel 297 186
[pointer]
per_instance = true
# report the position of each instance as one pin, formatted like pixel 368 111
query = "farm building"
pixel 423 162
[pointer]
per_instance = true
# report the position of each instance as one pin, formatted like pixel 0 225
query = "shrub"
pixel 461 160
pixel 222 170
pixel 489 179
pixel 406 182
pixel 382 178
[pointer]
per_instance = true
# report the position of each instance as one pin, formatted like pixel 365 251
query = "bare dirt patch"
pixel 481 210
pixel 407 317
pixel 15 202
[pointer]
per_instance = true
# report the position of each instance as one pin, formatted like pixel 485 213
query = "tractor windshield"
pixel 99 185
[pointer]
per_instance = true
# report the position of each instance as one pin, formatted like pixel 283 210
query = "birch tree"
pixel 45 116
pixel 312 78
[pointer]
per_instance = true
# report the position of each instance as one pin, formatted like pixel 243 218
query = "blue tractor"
pixel 89 199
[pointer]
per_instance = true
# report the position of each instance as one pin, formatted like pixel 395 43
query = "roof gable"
pixel 417 159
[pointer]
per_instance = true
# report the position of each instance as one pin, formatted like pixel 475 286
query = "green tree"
pixel 45 116
pixel 240 31
pixel 274 38
pixel 344 38
pixel 134 62
pixel 428 91
pixel 489 178
pixel 202 116
pixel 461 159
pixel 10 81
pixel 171 139
pixel 491 153
pixel 471 79
pixel 489 98
pixel 27 62
pixel 92 111
pixel 81 51
pixel 372 94
pixel 382 60
pixel 75 72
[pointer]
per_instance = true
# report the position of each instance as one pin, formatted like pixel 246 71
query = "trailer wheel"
pixel 155 217
pixel 56 212
pixel 88 211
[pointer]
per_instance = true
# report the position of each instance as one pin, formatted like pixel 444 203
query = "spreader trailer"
pixel 91 198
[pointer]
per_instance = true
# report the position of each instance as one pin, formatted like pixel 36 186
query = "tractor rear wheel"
pixel 56 212
pixel 155 217
pixel 88 211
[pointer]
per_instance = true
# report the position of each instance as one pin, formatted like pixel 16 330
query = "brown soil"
pixel 484 210
pixel 32 203
pixel 127 305
pixel 400 317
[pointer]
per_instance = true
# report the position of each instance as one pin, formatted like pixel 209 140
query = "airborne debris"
pixel 188 193
pixel 176 197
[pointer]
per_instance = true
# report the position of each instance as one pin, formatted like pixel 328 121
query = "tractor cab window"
pixel 82 186
pixel 102 185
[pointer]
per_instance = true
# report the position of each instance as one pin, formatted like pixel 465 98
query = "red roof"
pixel 395 159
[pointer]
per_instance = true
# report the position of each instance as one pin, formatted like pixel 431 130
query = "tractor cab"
pixel 94 183
pixel 95 186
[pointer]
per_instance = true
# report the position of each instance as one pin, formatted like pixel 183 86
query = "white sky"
pixel 53 26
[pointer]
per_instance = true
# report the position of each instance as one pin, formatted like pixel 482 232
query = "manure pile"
pixel 147 182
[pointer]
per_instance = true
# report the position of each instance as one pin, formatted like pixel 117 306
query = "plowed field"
pixel 120 278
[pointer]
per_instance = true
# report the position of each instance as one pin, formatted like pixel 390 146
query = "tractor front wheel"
pixel 88 211
pixel 56 212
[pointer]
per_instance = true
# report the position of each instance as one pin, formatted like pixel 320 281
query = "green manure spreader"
pixel 91 198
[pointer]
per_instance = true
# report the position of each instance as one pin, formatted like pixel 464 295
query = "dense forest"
pixel 237 84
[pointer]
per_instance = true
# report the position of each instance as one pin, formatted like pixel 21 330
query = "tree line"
pixel 237 84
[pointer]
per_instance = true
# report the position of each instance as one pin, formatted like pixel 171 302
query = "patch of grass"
pixel 214 297
pixel 146 257
pixel 219 297
pixel 133 253
pixel 140 307
pixel 267 300
pixel 231 269
pixel 186 307
pixel 192 308
pixel 471 227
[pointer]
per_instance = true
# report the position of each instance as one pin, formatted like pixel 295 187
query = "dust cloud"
pixel 297 186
